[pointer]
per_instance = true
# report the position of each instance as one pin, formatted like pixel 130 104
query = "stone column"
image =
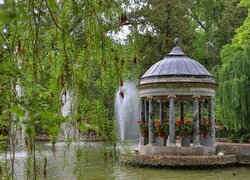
pixel 171 121
pixel 142 111
pixel 212 119
pixel 145 110
pixel 201 110
pixel 151 122
pixel 160 112
pixel 196 130
pixel 143 140
pixel 182 110
pixel 209 109
pixel 166 106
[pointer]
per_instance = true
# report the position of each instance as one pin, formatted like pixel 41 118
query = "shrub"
pixel 234 138
pixel 245 138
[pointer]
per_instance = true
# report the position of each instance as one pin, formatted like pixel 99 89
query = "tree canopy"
pixel 51 49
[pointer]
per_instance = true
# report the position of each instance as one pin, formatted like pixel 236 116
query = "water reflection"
pixel 87 161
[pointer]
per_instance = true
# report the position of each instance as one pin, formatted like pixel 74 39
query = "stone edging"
pixel 161 161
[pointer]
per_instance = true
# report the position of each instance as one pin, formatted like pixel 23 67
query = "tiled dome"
pixel 177 65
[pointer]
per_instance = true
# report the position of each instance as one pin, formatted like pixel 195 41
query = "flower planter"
pixel 160 141
pixel 205 134
pixel 184 134
pixel 161 128
pixel 206 141
pixel 145 133
pixel 161 133
pixel 185 141
pixel 144 140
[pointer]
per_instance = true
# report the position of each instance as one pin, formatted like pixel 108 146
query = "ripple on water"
pixel 67 167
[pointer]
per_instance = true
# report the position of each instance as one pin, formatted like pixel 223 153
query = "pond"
pixel 96 161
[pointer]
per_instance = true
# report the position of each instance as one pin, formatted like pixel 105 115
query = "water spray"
pixel 127 110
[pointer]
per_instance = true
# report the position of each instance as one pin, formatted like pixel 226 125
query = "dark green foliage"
pixel 233 138
pixel 240 136
pixel 154 27
pixel 232 18
pixel 245 138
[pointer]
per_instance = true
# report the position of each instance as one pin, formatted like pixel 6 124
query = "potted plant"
pixel 205 127
pixel 161 128
pixel 178 125
pixel 143 128
pixel 184 128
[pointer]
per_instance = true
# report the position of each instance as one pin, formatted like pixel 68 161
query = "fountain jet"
pixel 127 110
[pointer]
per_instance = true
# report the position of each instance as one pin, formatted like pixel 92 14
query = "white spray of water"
pixel 127 111
pixel 65 109
pixel 66 99
pixel 22 119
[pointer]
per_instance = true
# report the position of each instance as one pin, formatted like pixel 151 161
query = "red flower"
pixel 188 121
pixel 157 123
pixel 205 125
pixel 165 120
pixel 179 122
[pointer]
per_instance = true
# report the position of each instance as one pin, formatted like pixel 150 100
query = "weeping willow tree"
pixel 50 48
pixel 56 47
pixel 234 80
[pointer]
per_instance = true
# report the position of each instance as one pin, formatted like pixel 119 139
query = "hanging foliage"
pixel 50 48
pixel 234 80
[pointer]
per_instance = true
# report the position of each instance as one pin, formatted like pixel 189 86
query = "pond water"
pixel 95 161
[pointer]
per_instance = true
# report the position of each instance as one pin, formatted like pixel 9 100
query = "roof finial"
pixel 176 42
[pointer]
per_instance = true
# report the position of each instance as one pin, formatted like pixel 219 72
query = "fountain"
pixel 21 129
pixel 127 110
pixel 66 97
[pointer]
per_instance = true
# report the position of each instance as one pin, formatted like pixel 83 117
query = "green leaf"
pixel 4 116
pixel 52 4
pixel 17 111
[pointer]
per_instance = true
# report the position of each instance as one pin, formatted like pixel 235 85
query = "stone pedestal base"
pixel 191 139
pixel 143 140
pixel 206 141
pixel 160 141
pixel 185 141
pixel 173 150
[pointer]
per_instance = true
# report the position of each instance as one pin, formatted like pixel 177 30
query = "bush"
pixel 245 138
pixel 234 138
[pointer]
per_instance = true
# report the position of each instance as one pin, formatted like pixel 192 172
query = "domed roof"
pixel 177 66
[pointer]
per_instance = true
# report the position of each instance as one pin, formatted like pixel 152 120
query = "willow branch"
pixel 98 20
pixel 52 16
pixel 6 43
pixel 195 17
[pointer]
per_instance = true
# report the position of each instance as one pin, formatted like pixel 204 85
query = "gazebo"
pixel 172 81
